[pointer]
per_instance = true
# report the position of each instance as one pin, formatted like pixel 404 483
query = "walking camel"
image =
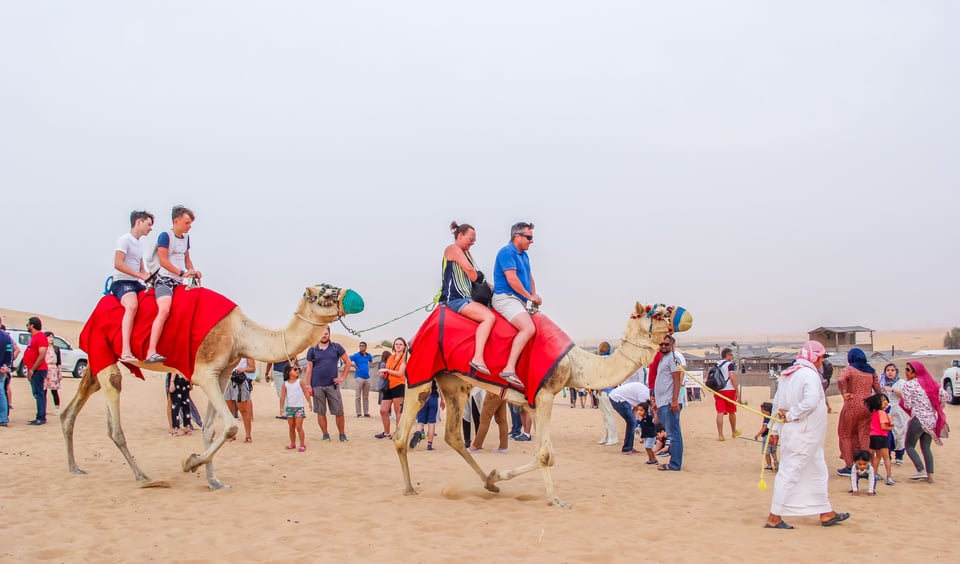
pixel 233 336
pixel 577 368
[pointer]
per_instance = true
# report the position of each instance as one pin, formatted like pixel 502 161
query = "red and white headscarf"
pixel 810 352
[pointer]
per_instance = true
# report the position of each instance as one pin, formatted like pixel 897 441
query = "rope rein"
pixel 358 332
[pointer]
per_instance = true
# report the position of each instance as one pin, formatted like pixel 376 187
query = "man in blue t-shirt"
pixel 322 363
pixel 361 379
pixel 513 286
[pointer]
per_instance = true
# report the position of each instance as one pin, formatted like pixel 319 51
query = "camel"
pixel 234 336
pixel 578 369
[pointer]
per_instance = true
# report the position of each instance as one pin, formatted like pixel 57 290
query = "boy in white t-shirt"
pixel 173 252
pixel 129 275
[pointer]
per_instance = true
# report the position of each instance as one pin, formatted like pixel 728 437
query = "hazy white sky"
pixel 769 167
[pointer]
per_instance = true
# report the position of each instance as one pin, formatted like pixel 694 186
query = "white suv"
pixel 951 382
pixel 71 360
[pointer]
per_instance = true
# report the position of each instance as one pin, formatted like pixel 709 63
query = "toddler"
pixel 648 430
pixel 770 451
pixel 661 445
pixel 862 469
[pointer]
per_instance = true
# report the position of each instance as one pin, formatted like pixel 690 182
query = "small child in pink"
pixel 880 426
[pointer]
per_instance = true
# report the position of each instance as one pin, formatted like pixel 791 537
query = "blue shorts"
pixel 458 304
pixel 428 413
pixel 121 287
pixel 650 442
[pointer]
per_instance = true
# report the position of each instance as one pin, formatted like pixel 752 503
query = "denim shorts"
pixel 121 287
pixel 458 304
pixel 649 442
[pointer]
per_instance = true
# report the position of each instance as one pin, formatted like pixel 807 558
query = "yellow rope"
pixel 762 484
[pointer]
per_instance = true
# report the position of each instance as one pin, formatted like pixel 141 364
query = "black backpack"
pixel 715 380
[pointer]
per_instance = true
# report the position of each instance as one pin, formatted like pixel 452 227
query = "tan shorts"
pixel 324 395
pixel 508 305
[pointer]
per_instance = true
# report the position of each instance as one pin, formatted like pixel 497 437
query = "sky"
pixel 770 167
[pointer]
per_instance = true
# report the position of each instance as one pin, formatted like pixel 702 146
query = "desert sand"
pixel 345 502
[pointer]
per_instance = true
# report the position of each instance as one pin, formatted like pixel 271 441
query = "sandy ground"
pixel 345 501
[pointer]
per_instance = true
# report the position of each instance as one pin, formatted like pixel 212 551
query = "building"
pixel 839 340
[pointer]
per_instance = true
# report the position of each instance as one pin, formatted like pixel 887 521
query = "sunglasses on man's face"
pixel 664 344
pixel 525 236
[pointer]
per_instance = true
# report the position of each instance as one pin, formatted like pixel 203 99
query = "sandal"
pixel 302 448
pixel 480 368
pixel 128 358
pixel 290 447
pixel 174 433
pixel 511 378
pixel 383 436
pixel 664 467
pixel 154 358
pixel 780 525
pixel 248 440
pixel 837 517
pixel 188 431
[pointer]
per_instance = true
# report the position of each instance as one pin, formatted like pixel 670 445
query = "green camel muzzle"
pixel 352 302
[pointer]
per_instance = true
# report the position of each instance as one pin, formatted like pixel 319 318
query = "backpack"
pixel 715 380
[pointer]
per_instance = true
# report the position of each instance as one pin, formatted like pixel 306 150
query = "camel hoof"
pixel 191 463
pixel 218 485
pixel 491 482
pixel 77 471
pixel 411 491
pixel 557 502
pixel 155 484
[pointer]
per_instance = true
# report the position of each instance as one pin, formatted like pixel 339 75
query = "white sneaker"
pixel 56 411
pixel 921 475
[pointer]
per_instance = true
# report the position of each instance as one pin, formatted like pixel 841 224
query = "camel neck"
pixel 599 372
pixel 270 345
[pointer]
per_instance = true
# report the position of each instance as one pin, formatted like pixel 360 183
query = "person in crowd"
pixel 361 379
pixel 648 430
pixel 891 384
pixel 180 405
pixel 799 429
pixel 427 417
pixel 394 372
pixel 513 287
pixel 238 395
pixel 52 382
pixel 923 401
pixel 458 274
pixel 729 391
pixel 293 401
pixel 880 426
pixel 494 408
pixel 323 361
pixel 769 450
pixel 857 382
pixel 666 399
pixel 35 359
pixel 624 399
pixel 6 362
pixel 661 443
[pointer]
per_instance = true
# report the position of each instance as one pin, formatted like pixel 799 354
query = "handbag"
pixel 481 292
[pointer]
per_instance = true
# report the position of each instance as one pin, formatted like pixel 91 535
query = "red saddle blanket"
pixel 193 314
pixel 446 341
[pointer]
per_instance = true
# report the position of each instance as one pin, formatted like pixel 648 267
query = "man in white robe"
pixel 800 426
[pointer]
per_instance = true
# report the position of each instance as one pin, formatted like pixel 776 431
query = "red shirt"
pixel 33 351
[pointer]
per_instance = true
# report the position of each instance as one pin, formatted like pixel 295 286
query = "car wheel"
pixel 948 387
pixel 79 368
pixel 22 371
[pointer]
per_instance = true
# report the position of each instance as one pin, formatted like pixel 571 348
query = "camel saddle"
pixel 193 313
pixel 446 342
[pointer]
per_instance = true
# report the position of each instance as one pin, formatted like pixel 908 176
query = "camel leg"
pixel 456 392
pixel 413 400
pixel 544 458
pixel 89 385
pixel 110 380
pixel 209 381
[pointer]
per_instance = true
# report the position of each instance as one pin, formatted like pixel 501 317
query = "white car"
pixel 71 360
pixel 951 382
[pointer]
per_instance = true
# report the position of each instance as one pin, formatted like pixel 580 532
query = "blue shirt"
pixel 324 364
pixel 362 362
pixel 511 258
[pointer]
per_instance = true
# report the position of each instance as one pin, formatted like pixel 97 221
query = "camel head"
pixel 653 322
pixel 324 303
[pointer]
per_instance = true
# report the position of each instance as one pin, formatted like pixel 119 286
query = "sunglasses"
pixel 472 239
pixel 525 236
pixel 295 369
pixel 664 344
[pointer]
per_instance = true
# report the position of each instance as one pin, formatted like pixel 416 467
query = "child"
pixel 770 451
pixel 880 426
pixel 427 416
pixel 862 469
pixel 293 401
pixel 661 446
pixel 648 431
